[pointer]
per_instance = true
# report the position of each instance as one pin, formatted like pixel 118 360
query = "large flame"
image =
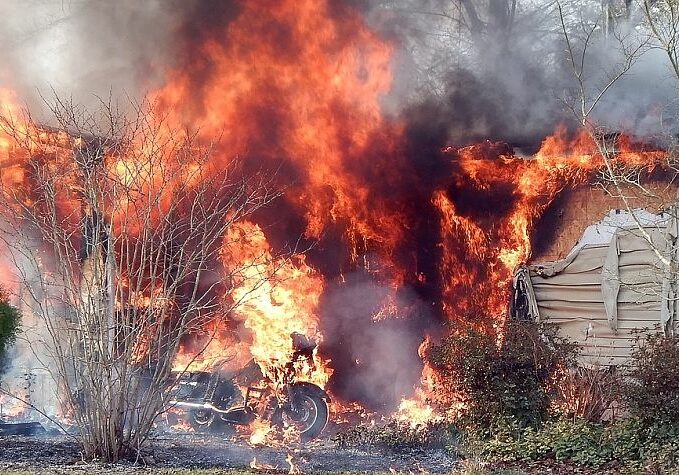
pixel 287 81
pixel 274 308
pixel 480 254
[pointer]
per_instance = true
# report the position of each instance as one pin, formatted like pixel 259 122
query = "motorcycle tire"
pixel 312 416
pixel 201 419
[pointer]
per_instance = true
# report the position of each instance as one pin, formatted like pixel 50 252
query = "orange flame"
pixel 311 97
pixel 275 297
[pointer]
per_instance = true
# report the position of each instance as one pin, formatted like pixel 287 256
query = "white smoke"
pixel 83 49
pixel 29 378
pixel 516 83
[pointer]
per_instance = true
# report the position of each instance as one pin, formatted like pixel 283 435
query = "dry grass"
pixel 467 468
pixel 587 393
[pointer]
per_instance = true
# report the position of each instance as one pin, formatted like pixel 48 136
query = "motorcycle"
pixel 213 399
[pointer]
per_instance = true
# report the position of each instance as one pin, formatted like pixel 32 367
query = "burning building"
pixel 383 236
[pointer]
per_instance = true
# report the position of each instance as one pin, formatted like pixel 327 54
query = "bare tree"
pixel 627 181
pixel 115 222
pixel 663 21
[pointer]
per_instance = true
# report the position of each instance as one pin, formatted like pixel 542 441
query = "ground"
pixel 193 454
pixel 202 454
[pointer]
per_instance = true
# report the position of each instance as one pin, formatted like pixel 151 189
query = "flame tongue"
pixel 480 254
pixel 308 97
pixel 277 309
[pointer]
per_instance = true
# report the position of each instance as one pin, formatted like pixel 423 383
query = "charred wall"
pixel 564 222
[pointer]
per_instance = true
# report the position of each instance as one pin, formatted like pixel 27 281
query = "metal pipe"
pixel 198 405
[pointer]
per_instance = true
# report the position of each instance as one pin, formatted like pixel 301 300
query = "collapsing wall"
pixel 612 285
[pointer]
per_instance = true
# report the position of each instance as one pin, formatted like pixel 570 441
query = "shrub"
pixel 500 386
pixel 651 388
pixel 630 443
pixel 646 441
pixel 9 324
pixel 586 393
pixel 563 441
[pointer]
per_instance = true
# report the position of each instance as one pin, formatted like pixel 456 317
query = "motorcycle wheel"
pixel 201 419
pixel 310 418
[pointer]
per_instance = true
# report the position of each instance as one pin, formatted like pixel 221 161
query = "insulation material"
pixel 610 287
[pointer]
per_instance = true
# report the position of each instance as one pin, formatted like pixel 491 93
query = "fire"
pixel 283 304
pixel 415 412
pixel 294 468
pixel 217 349
pixel 503 244
pixel 297 86
pixel 11 171
pixel 182 426
pixel 7 108
pixel 12 408
pixel 261 467
pixel 326 106
pixel 260 432
pixel 418 411
pixel 532 185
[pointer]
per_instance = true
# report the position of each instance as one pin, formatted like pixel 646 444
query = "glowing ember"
pixel 182 426
pixel 218 350
pixel 260 432
pixel 262 467
pixel 415 413
pixel 294 469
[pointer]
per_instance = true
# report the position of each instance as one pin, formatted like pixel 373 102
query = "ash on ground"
pixel 61 454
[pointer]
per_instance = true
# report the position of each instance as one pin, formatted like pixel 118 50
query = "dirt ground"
pixel 169 454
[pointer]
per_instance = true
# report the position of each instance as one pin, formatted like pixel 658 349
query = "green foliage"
pixel 651 388
pixel 577 442
pixel 630 443
pixel 500 386
pixel 514 430
pixel 9 324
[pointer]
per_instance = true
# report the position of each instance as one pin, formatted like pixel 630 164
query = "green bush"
pixel 630 443
pixel 645 441
pixel 563 441
pixel 499 386
pixel 651 387
pixel 9 324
